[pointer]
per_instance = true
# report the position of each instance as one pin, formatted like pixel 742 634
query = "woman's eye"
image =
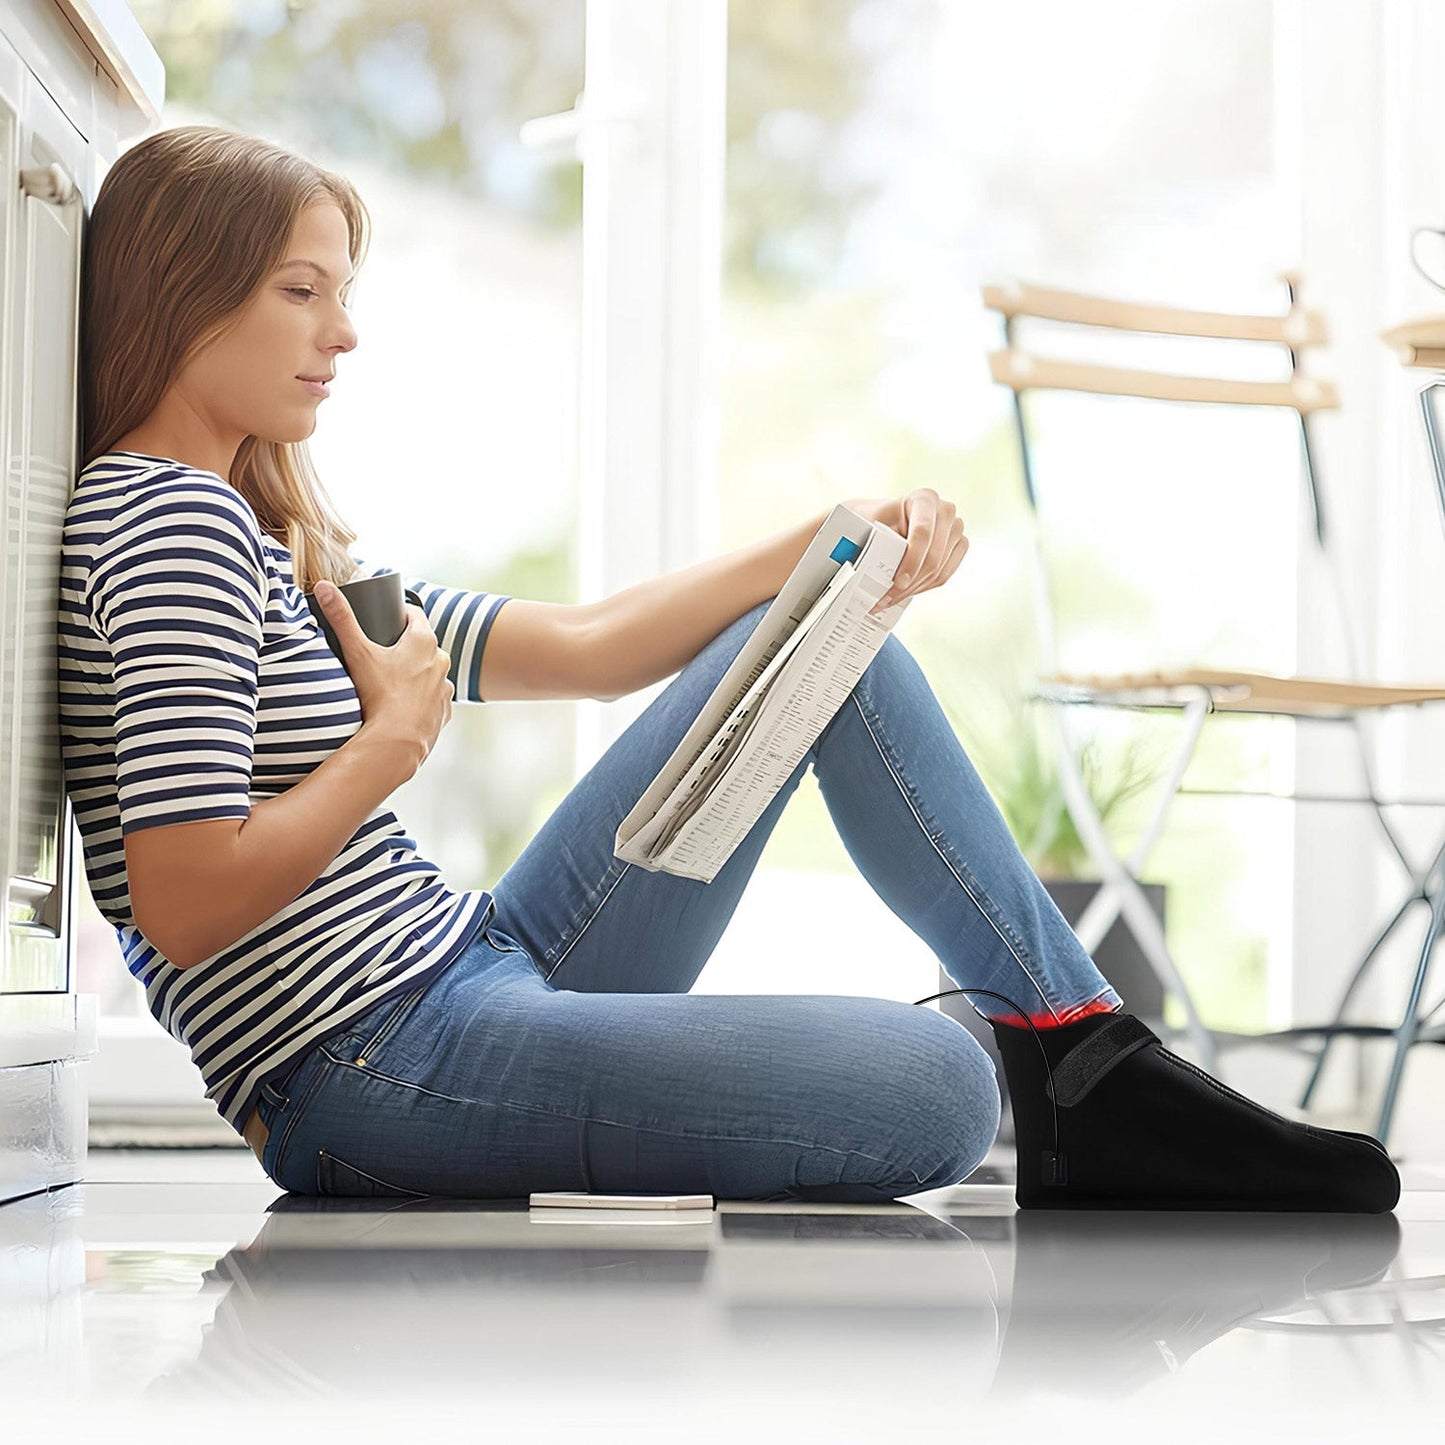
pixel 305 291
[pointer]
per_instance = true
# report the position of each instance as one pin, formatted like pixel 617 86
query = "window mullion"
pixel 652 144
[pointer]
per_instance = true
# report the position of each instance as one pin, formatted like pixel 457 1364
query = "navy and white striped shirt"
pixel 193 683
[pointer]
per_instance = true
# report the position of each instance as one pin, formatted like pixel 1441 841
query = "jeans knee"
pixel 891 656
pixel 717 655
pixel 968 1111
pixel 934 1104
pixel 750 619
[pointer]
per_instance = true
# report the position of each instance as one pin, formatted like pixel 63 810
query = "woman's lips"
pixel 316 388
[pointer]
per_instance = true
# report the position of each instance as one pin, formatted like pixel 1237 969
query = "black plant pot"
pixel 1118 957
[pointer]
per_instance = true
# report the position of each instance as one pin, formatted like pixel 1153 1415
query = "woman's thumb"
pixel 332 603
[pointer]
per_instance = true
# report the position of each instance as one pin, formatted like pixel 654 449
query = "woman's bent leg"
pixel 909 807
pixel 493 1084
pixel 916 818
pixel 595 923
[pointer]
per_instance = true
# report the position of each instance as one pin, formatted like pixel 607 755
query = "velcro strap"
pixel 1087 1062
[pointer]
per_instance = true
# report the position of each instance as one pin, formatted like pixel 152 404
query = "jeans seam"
pixel 1107 989
pixel 947 863
pixel 583 1119
pixel 590 919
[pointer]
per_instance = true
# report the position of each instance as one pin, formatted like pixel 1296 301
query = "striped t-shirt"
pixel 193 683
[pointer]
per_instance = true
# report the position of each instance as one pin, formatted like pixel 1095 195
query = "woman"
pixel 371 1030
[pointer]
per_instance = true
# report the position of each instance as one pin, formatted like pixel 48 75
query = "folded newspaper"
pixel 792 675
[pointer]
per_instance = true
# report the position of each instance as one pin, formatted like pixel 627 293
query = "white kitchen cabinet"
pixel 76 80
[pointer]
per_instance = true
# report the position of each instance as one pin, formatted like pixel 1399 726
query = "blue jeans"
pixel 562 1049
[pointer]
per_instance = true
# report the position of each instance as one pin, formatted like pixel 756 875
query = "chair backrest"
pixel 1289 334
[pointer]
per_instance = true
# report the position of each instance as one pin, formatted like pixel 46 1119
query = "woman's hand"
pixel 405 689
pixel 935 535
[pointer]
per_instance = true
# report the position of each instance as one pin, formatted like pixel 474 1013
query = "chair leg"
pixel 1349 993
pixel 1409 1028
pixel 1419 889
pixel 1122 888
pixel 1103 907
pixel 1437 447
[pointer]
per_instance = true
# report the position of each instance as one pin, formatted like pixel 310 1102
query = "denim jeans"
pixel 562 1049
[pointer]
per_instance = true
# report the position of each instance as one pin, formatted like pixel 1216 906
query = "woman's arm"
pixel 650 630
pixel 653 629
pixel 462 621
pixel 622 643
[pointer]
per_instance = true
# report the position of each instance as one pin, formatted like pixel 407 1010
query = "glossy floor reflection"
pixel 189 1283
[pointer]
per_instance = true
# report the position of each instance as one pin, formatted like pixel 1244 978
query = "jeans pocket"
pixel 334 1176
pixel 363 1036
pixel 405 1004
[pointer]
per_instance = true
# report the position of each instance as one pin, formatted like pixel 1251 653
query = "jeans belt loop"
pixel 274 1090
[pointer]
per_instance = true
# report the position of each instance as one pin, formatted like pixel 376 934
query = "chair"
pixel 1199 692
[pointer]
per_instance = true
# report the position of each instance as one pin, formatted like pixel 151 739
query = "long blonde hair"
pixel 186 224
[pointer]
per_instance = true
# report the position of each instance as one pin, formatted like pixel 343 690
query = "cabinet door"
pixel 41 333
pixel 11 81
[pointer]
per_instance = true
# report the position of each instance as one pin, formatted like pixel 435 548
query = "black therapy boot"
pixel 1126 1124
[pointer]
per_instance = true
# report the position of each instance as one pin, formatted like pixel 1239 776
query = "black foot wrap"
pixel 1141 1128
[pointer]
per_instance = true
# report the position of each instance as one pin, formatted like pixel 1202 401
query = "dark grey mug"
pixel 379 605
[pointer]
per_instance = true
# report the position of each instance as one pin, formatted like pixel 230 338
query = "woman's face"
pixel 247 383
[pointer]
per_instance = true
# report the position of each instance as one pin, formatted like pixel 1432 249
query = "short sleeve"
pixel 178 590
pixel 461 620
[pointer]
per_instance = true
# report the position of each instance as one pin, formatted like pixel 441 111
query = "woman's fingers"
pixel 940 556
pixel 920 514
pixel 931 575
pixel 934 548
pixel 954 560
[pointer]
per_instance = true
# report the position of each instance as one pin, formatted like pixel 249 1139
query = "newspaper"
pixel 792 675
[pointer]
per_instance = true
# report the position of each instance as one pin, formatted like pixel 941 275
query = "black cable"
pixel 1043 1052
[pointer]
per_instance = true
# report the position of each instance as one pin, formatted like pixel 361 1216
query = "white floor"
pixel 182 1291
